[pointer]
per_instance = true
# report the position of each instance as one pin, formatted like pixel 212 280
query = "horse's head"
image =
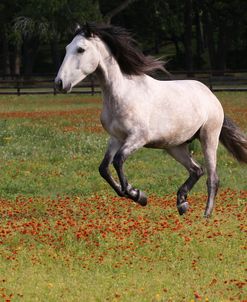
pixel 81 59
pixel 84 54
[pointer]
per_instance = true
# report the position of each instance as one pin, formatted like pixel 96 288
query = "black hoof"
pixel 183 207
pixel 142 199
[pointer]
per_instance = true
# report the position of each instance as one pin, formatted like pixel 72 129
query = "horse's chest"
pixel 114 124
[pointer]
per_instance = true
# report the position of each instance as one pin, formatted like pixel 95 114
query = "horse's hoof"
pixel 142 199
pixel 207 214
pixel 183 207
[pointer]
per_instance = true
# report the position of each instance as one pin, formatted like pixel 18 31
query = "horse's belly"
pixel 166 141
pixel 164 135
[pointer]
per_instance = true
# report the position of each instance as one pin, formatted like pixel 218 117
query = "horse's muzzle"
pixel 59 85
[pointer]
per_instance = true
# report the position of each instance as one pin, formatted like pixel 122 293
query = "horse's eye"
pixel 80 50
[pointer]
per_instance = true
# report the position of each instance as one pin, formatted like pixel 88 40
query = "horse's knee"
pixel 103 170
pixel 118 160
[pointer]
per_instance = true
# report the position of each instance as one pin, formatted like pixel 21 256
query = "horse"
pixel 141 111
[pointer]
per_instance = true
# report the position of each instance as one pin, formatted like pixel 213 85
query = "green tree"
pixel 201 31
pixel 9 40
pixel 110 9
pixel 47 22
pixel 224 24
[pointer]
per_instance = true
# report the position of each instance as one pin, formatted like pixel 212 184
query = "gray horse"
pixel 140 111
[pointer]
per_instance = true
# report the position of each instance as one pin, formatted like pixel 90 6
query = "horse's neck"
pixel 109 73
pixel 110 76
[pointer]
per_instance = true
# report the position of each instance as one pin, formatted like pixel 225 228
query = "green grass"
pixel 65 236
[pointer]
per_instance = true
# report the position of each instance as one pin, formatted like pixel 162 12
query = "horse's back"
pixel 180 109
pixel 188 97
pixel 187 91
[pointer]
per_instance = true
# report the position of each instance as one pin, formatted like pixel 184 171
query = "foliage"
pixel 30 24
pixel 214 37
pixel 54 17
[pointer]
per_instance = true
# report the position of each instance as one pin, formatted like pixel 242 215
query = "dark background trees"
pixel 190 34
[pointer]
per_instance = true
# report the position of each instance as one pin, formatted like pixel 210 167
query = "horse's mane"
pixel 124 49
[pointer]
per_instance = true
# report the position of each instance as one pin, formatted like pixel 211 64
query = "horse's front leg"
pixel 113 146
pixel 128 148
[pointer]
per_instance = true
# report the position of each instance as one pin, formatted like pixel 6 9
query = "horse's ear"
pixel 74 28
pixel 87 30
pixel 77 27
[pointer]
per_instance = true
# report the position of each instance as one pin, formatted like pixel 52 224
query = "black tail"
pixel 234 140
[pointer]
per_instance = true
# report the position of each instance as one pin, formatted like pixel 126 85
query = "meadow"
pixel 66 236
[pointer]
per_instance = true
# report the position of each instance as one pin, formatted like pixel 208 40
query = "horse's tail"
pixel 234 140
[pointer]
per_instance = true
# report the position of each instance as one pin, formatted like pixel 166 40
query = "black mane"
pixel 124 48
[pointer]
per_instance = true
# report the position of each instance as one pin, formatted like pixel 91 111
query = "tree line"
pixel 190 34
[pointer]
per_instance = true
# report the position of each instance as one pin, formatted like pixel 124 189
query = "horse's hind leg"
pixel 210 140
pixel 182 155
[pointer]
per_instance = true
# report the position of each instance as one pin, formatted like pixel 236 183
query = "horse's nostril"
pixel 59 84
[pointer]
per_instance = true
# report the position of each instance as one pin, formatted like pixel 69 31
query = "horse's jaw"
pixel 65 86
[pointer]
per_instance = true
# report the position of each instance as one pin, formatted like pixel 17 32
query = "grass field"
pixel 65 236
